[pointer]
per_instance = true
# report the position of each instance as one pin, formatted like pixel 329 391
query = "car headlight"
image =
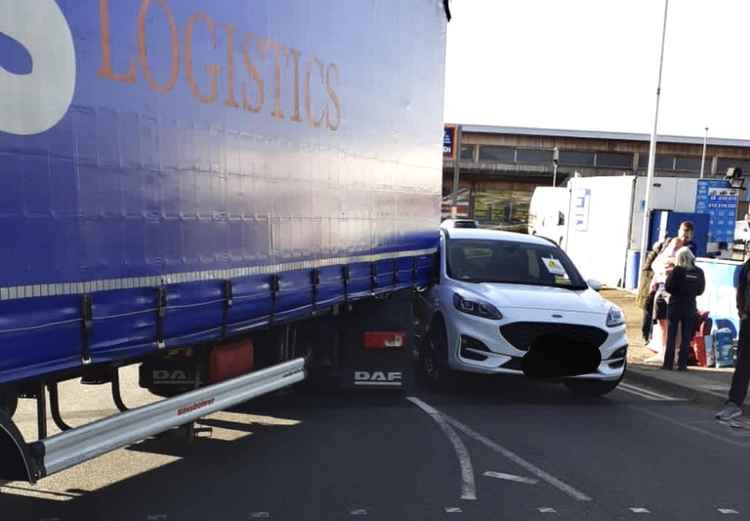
pixel 615 317
pixel 476 307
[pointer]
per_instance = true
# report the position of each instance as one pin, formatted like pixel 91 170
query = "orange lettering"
pixel 254 74
pixel 308 100
pixel 174 44
pixel 278 49
pixel 106 69
pixel 334 97
pixel 295 58
pixel 230 101
pixel 213 69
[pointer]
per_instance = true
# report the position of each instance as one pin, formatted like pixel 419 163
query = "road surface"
pixel 491 449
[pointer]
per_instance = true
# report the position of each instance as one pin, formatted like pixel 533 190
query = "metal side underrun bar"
pixel 75 446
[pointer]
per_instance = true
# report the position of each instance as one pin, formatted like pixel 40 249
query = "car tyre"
pixel 432 364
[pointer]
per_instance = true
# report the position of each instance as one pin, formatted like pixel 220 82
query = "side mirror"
pixel 594 284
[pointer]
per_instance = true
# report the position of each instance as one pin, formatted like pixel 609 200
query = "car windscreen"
pixel 481 260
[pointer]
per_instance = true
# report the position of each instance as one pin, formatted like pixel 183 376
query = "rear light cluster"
pixel 382 340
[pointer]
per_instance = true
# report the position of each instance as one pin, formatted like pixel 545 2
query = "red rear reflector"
pixel 384 339
pixel 230 360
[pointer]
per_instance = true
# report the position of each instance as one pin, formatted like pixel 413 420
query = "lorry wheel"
pixel 8 402
pixel 433 367
pixel 592 387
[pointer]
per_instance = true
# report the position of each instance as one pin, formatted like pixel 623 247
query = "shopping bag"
pixel 698 342
pixel 655 343
pixel 723 339
pixel 710 351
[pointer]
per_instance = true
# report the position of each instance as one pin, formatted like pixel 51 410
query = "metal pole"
pixel 652 146
pixel 456 167
pixel 703 157
pixel 555 161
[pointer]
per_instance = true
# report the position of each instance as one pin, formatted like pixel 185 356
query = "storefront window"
pixel 497 153
pixel 576 158
pixel 690 164
pixel 525 155
pixel 614 160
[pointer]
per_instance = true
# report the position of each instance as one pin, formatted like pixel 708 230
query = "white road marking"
pixel 468 487
pixel 547 510
pixel 21 490
pixel 359 512
pixel 729 511
pixel 647 393
pixel 510 477
pixel 260 515
pixel 156 517
pixel 691 427
pixel 518 460
pixel 453 510
pixel 640 510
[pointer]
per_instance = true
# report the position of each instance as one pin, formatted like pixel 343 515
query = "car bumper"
pixel 477 345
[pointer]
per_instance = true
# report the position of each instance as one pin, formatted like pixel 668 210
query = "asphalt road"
pixel 492 449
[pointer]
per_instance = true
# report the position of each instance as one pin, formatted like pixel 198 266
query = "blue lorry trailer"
pixel 177 177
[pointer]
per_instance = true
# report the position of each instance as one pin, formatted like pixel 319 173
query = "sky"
pixel 593 65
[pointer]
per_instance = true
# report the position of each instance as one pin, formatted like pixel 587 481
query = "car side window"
pixel 533 264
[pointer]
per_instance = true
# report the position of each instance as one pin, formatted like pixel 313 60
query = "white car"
pixel 513 303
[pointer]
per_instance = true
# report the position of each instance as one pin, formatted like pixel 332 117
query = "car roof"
pixel 495 235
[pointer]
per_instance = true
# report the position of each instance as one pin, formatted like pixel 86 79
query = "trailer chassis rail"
pixel 22 461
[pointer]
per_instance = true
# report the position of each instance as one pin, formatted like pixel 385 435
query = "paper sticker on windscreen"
pixel 555 267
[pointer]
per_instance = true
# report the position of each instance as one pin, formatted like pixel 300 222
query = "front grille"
pixel 522 335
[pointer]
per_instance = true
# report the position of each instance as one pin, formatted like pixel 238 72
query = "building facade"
pixel 499 167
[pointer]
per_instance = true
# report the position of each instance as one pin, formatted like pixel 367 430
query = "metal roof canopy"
pixel 594 134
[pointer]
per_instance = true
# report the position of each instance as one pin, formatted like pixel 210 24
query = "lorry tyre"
pixel 592 387
pixel 433 359
pixel 8 402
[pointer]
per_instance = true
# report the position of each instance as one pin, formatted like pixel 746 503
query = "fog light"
pixel 469 346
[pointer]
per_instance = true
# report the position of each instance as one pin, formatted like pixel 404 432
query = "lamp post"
pixel 555 162
pixel 456 167
pixel 652 146
pixel 703 157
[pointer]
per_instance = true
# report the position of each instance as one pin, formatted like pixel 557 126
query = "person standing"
pixel 685 234
pixel 738 391
pixel 684 283
pixel 662 267
pixel 645 298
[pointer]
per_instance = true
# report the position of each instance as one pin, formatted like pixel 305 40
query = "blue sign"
pixel 716 198
pixel 449 142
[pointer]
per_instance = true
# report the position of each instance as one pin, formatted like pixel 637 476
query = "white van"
pixel 548 213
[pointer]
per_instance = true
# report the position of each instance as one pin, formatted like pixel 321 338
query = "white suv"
pixel 513 303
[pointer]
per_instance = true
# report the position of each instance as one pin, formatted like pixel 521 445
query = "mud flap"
pixel 15 454
pixel 390 366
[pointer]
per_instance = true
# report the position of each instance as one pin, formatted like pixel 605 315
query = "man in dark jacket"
pixel 738 392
